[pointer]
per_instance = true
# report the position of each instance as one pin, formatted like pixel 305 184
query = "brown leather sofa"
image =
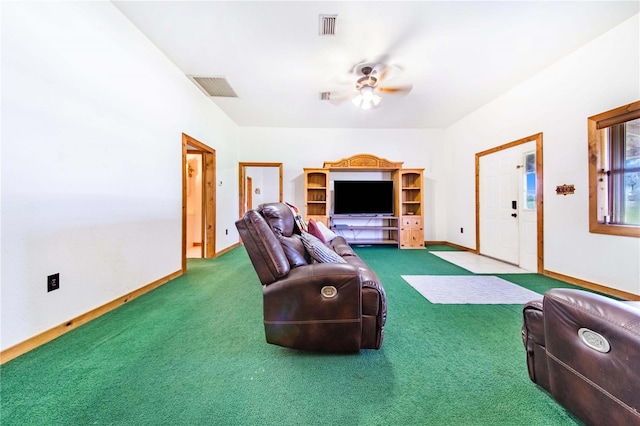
pixel 584 349
pixel 333 307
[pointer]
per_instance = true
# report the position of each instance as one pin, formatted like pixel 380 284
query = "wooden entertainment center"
pixel 404 229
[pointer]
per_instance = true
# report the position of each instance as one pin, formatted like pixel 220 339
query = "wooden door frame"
pixel 208 197
pixel 537 138
pixel 242 176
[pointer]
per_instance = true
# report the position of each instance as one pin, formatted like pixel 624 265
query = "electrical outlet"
pixel 53 282
pixel 226 232
pixel 462 230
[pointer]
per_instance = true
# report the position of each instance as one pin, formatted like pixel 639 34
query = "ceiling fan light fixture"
pixel 366 98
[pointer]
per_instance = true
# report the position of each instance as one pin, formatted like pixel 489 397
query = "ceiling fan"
pixel 372 81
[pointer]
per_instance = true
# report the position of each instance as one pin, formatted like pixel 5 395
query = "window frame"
pixel 596 127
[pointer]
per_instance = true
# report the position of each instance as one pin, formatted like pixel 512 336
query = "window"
pixel 530 181
pixel 614 171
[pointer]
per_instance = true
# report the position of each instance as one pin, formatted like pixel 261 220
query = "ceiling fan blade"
pixel 397 90
pixel 340 81
pixel 379 71
pixel 337 98
pixel 390 72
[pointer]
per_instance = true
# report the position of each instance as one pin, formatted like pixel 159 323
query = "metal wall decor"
pixel 565 189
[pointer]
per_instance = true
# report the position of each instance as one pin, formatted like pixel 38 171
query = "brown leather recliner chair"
pixel 333 307
pixel 584 349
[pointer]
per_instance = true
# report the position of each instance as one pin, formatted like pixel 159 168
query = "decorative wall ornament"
pixel 565 189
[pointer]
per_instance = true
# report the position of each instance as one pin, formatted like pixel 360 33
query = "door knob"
pixel 514 215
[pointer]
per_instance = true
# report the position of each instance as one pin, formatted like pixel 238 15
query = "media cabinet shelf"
pixel 386 229
pixel 405 230
pixel 316 195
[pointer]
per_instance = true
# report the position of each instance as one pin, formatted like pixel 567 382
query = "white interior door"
pixel 508 226
pixel 498 218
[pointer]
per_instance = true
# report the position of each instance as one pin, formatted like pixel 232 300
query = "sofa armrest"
pixel 300 295
pixel 316 307
pixel 534 343
pixel 593 348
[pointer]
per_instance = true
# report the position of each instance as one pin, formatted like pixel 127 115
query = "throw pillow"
pixel 327 233
pixel 319 251
pixel 315 231
pixel 300 223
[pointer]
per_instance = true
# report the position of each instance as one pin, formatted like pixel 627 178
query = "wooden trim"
pixel 540 199
pixel 539 191
pixel 209 204
pixel 241 180
pixel 617 115
pixel 447 243
pixel 55 332
pixel 592 286
pixel 363 162
pixel 595 124
pixel 228 249
pixel 184 201
pixel 477 195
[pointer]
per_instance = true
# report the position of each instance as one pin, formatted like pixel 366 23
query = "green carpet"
pixel 192 352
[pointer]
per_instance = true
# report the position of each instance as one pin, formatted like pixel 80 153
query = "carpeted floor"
pixel 470 289
pixel 192 352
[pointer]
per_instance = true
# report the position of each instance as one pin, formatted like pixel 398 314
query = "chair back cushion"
pixel 279 217
pixel 281 220
pixel 264 248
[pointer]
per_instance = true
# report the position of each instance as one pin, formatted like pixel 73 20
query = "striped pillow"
pixel 319 251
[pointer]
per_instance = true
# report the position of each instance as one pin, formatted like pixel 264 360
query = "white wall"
pixel 92 116
pixel 307 148
pixel 266 181
pixel 598 77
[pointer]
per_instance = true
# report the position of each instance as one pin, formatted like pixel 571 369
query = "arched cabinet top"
pixel 363 162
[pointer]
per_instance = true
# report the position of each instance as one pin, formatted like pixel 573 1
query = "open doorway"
pixel 195 208
pixel 198 200
pixel 509 215
pixel 259 183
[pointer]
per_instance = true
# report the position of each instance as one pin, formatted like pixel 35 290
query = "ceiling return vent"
pixel 215 86
pixel 328 24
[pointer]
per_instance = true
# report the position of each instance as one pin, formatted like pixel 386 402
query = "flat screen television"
pixel 363 197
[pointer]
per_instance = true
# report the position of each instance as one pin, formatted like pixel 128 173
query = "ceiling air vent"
pixel 328 24
pixel 215 86
pixel 325 96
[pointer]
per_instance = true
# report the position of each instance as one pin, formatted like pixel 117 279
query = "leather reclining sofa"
pixel 584 349
pixel 331 307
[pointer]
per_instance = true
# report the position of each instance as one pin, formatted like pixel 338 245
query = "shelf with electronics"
pixel 404 228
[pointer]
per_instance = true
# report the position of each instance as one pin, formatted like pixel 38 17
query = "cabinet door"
pixel 417 237
pixel 412 233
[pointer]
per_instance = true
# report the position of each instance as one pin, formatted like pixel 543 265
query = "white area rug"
pixel 469 289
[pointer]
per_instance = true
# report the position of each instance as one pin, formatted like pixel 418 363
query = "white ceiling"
pixel 457 55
